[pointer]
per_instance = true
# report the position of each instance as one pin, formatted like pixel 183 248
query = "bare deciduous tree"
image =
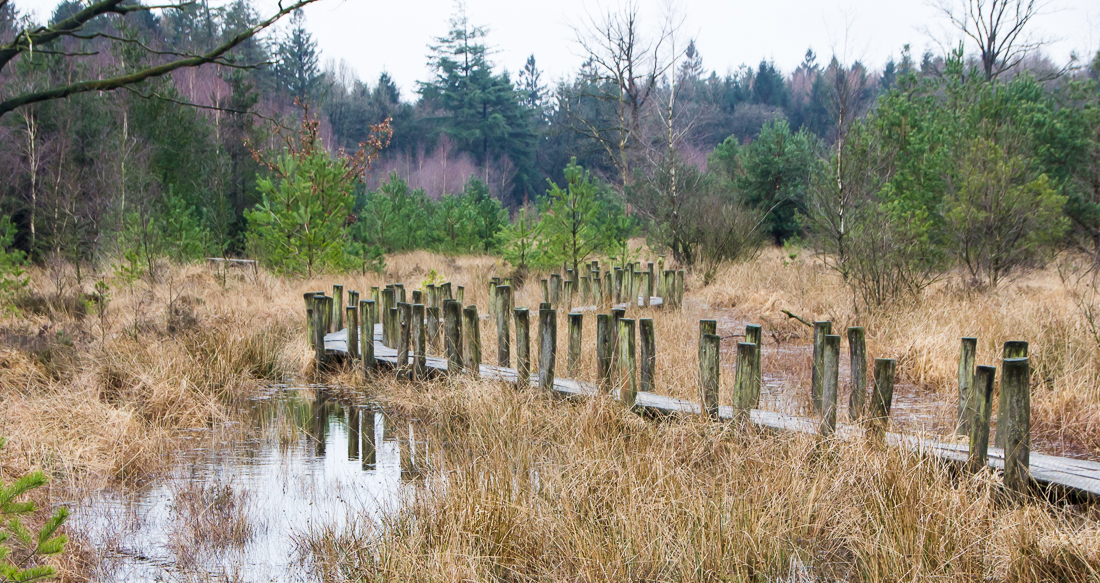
pixel 51 39
pixel 997 27
pixel 625 68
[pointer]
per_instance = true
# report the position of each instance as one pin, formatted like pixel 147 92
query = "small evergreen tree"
pixel 11 262
pixel 300 223
pixel 570 223
pixel 21 549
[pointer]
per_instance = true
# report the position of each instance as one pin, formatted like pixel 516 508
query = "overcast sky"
pixel 372 36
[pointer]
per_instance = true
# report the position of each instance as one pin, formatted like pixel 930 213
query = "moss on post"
pixel 857 355
pixel 523 348
pixel 821 330
pixel 573 359
pixel 628 381
pixel 981 400
pixel 882 395
pixel 830 384
pixel 1016 385
pixel 471 326
pixel 452 336
pixel 648 356
pixel 709 374
pixel 1012 349
pixel 968 351
pixel 548 344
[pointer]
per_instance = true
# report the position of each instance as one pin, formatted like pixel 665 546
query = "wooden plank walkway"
pixel 1077 475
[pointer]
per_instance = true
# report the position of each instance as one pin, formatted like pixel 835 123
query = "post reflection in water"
pixel 290 471
pixel 369 429
pixel 353 433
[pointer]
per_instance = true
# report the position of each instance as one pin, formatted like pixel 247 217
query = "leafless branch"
pixel 71 25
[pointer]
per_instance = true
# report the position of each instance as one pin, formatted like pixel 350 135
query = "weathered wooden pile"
pixel 435 334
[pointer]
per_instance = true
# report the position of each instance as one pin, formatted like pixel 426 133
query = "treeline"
pixel 894 176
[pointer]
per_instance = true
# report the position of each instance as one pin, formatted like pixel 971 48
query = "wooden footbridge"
pixel 404 335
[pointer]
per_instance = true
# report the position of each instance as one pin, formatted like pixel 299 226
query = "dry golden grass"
pixel 530 488
pixel 95 399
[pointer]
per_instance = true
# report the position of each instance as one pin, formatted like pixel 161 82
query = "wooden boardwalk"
pixel 1078 476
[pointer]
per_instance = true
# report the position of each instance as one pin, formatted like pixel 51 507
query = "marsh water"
pixel 237 498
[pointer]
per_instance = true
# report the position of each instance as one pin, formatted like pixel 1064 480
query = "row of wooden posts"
pixel 975 397
pixel 629 283
pixel 443 325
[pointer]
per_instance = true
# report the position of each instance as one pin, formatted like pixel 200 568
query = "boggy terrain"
pixel 98 391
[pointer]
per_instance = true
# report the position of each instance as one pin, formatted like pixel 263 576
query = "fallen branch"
pixel 796 317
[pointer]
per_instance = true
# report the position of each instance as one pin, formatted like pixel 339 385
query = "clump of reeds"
pixel 533 488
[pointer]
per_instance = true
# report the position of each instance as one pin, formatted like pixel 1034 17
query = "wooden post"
pixel 603 351
pixel 447 291
pixel 387 324
pixel 648 356
pixel 400 289
pixel 967 355
pixel 568 296
pixel 374 295
pixel 573 359
pixel 328 314
pixel 705 327
pixel 743 379
pixel 460 295
pixel 1012 349
pixel 545 285
pixel 830 383
pixel 680 288
pixel 617 285
pixel 418 297
pixel 433 299
pixel 353 299
pixel 548 344
pixel 523 348
pixel 628 380
pixel 857 355
pixel 395 325
pixel 586 289
pixel 420 339
pixel 1016 385
pixel 404 339
pixel 452 336
pixel 648 283
pixel 338 307
pixel 881 396
pixel 434 335
pixel 597 292
pixel 317 341
pixel 709 374
pixel 821 330
pixel 366 333
pixel 308 298
pixel 555 290
pixel 754 333
pixel 661 276
pixel 504 311
pixel 353 332
pixel 981 401
pixel 609 286
pixel 616 315
pixel 471 359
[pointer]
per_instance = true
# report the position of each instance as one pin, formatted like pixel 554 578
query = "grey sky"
pixel 373 36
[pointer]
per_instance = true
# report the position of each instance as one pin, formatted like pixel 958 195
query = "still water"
pixel 232 506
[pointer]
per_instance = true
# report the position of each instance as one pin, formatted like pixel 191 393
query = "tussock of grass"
pixel 532 488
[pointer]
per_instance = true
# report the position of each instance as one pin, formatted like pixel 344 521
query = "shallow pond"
pixel 237 497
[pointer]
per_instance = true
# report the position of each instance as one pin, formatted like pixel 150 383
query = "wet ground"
pixel 232 506
pixel 786 389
